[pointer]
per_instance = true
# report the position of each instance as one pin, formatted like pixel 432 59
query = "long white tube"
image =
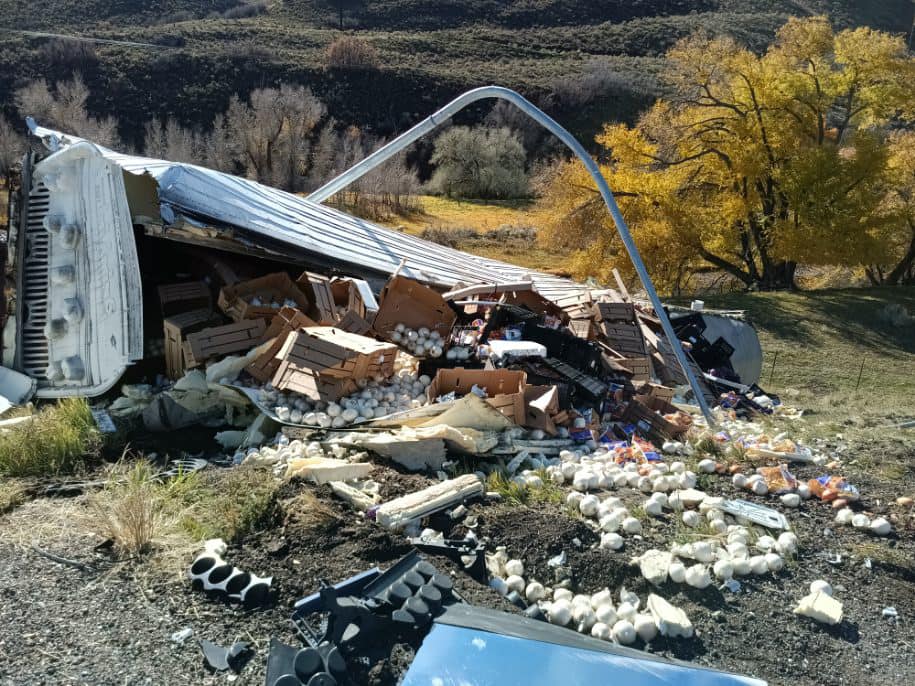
pixel 431 122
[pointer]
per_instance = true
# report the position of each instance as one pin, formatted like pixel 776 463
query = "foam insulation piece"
pixel 358 499
pixel 820 607
pixel 472 412
pixel 396 513
pixel 322 470
pixel 228 368
pixel 671 621
pixel 194 380
pixel 654 564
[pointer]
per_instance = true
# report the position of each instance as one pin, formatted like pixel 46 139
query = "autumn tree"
pixel 12 146
pixel 897 231
pixel 754 163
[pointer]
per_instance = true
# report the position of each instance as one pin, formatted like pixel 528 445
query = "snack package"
pixel 828 488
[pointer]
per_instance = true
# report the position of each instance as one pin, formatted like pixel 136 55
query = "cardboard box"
pixel 176 298
pixel 222 340
pixel 287 320
pixel 175 329
pixel 461 381
pixel 318 356
pixel 272 290
pixel 541 404
pixel 317 288
pixel 408 302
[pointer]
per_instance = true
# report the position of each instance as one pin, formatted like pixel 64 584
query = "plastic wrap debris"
pixel 753 512
pixel 778 479
pixel 828 488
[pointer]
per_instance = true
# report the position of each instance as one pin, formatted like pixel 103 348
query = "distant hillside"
pixel 586 60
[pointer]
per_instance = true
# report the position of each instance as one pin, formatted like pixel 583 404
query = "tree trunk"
pixel 905 264
pixel 778 276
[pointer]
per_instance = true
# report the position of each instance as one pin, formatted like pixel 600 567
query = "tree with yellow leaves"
pixel 754 163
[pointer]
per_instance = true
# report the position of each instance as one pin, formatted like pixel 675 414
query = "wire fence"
pixel 805 369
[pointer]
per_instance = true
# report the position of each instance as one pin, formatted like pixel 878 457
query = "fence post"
pixel 860 372
pixel 772 370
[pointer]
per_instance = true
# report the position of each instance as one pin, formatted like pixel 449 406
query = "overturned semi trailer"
pixel 87 223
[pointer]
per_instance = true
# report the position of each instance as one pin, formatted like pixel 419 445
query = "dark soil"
pixel 62 625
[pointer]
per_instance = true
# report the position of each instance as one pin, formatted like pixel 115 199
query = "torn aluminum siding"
pixel 196 196
pixel 76 321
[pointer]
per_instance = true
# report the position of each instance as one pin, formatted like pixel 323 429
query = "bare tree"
pixel 174 142
pixel 64 108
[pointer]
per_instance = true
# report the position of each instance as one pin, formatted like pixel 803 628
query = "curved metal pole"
pixel 428 124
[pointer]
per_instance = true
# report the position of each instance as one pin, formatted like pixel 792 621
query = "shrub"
pixel 479 163
pixel 349 52
pixel 245 10
pixel 58 440
pixel 449 237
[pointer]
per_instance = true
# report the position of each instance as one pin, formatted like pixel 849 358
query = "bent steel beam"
pixel 435 120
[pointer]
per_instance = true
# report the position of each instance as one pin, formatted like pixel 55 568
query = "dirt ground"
pixel 113 624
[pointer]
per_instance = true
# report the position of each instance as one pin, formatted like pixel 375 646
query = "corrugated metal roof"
pixel 318 229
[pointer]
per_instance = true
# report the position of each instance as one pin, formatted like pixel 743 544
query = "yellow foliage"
pixel 754 164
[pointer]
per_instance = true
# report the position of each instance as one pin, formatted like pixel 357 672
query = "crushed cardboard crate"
pixel 408 302
pixel 504 388
pixel 262 297
pixel 655 418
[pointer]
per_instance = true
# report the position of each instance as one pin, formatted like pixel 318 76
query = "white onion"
pixel 723 569
pixel 677 572
pixel 881 527
pixel 821 586
pixel 606 613
pixel 623 632
pixel 631 525
pixel 707 466
pixel 844 516
pixel 774 562
pixel 514 567
pixel 697 576
pixel 612 541
pixel 758 564
pixel 645 627
pixel 515 583
pixel 601 630
pixel 860 521
pixel 691 518
pixel 560 612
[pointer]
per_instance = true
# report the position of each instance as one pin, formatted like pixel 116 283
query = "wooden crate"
pixel 353 323
pixel 175 329
pixel 640 366
pixel 318 289
pixel 287 320
pixel 272 290
pixel 614 312
pixel 175 298
pixel 312 385
pixel 331 353
pixel 223 340
pixel 646 413
pixel 583 328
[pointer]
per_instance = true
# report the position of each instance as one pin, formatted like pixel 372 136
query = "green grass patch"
pixel 61 439
pixel 515 493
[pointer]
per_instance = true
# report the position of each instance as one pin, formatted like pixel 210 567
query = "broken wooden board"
pixel 217 341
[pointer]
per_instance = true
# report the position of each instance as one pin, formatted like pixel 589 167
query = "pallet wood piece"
pixel 312 385
pixel 318 289
pixel 175 298
pixel 640 366
pixel 175 329
pixel 273 290
pixel 223 340
pixel 287 320
pixel 583 328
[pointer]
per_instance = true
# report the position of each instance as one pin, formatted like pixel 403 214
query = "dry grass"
pixel 59 440
pixel 13 493
pixel 131 509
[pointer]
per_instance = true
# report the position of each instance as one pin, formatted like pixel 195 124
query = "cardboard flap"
pixel 408 302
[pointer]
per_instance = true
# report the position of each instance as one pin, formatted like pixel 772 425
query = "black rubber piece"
pixel 257 594
pixel 288 680
pixel 203 564
pixel 431 596
pixel 443 583
pixel 403 617
pixel 219 574
pixel 307 663
pixel 398 593
pixel 336 665
pixel 425 568
pixel 418 609
pixel 413 579
pixel 322 679
pixel 238 583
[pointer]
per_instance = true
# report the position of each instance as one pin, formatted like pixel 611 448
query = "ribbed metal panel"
pixel 33 297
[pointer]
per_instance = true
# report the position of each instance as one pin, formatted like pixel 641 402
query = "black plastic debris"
pixel 221 659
